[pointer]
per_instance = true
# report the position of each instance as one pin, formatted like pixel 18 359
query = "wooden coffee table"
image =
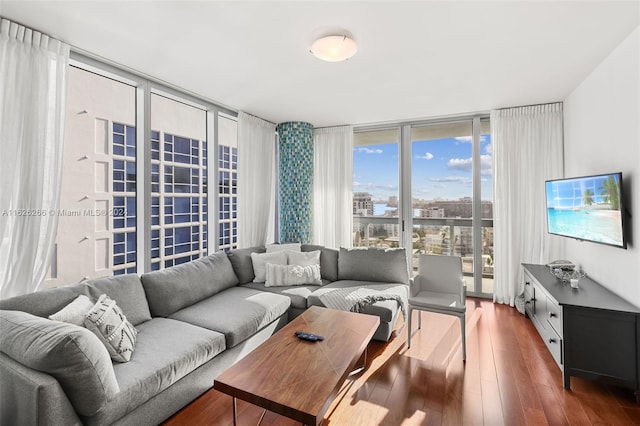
pixel 296 378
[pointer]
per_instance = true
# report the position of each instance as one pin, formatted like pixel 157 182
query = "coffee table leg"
pixel 361 368
pixel 235 412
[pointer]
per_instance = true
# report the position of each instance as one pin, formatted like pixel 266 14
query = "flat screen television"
pixel 588 208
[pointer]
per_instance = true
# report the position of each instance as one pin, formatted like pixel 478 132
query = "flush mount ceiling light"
pixel 334 48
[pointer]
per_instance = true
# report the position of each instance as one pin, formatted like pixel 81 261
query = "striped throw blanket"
pixel 355 299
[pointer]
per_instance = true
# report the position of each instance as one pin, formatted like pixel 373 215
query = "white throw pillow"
pixel 74 312
pixel 260 261
pixel 304 258
pixel 107 321
pixel 284 247
pixel 287 275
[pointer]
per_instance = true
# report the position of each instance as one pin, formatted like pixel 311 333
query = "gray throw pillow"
pixel 71 354
pixel 128 293
pixel 373 264
pixel 242 265
pixel 107 321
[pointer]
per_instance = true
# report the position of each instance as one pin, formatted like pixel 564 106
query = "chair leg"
pixel 409 328
pixel 419 319
pixel 463 337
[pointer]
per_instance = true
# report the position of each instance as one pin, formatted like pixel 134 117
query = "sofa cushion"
pixel 328 260
pixel 172 289
pixel 260 261
pixel 127 292
pixel 386 309
pixel 373 264
pixel 237 312
pixel 298 293
pixel 242 265
pixel 71 354
pixel 166 351
pixel 74 312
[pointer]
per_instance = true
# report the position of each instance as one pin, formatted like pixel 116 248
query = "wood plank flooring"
pixel 509 379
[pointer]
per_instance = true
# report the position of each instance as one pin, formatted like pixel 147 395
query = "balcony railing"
pixel 446 236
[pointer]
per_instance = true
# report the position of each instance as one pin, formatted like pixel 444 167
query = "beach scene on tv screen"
pixel 586 208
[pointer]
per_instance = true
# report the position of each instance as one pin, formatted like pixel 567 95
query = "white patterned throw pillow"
pixel 107 321
pixel 286 275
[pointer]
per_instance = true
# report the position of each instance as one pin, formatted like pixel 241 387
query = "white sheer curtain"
pixel 32 104
pixel 528 149
pixel 256 180
pixel 332 179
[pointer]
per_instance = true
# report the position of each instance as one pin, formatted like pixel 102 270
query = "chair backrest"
pixel 441 273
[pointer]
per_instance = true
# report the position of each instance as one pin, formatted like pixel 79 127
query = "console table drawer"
pixel 554 343
pixel 554 316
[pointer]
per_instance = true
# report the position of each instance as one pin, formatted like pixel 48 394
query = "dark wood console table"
pixel 590 331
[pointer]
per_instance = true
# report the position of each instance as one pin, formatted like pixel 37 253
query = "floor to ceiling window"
pixel 179 199
pixel 137 165
pixel 428 187
pixel 97 228
pixel 375 188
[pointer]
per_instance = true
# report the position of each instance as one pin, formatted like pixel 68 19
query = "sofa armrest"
pixel 30 397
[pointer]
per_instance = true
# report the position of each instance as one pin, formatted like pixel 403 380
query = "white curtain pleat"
pixel 256 181
pixel 32 106
pixel 332 181
pixel 528 150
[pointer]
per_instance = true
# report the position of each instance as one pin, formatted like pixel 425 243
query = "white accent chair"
pixel 439 287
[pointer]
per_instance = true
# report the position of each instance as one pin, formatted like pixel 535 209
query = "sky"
pixel 441 169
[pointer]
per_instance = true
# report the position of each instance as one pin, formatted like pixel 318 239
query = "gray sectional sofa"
pixel 193 321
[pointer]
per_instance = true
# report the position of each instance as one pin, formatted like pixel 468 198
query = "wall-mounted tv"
pixel 588 208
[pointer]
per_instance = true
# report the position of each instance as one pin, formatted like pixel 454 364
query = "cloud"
pixel 427 156
pixel 465 164
pixel 369 150
pixel 458 179
pixel 464 138
pixel 488 149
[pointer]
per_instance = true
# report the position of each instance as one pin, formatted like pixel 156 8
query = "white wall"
pixel 602 135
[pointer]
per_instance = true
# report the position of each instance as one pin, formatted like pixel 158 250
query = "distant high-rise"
pixel 362 204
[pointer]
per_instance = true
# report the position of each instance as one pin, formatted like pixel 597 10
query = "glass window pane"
pixel 375 188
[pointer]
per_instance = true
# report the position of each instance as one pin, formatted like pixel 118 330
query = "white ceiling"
pixel 416 59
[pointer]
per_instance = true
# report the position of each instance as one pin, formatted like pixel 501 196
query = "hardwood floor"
pixel 509 379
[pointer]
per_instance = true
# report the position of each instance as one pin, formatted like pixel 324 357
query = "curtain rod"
pixel 530 105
